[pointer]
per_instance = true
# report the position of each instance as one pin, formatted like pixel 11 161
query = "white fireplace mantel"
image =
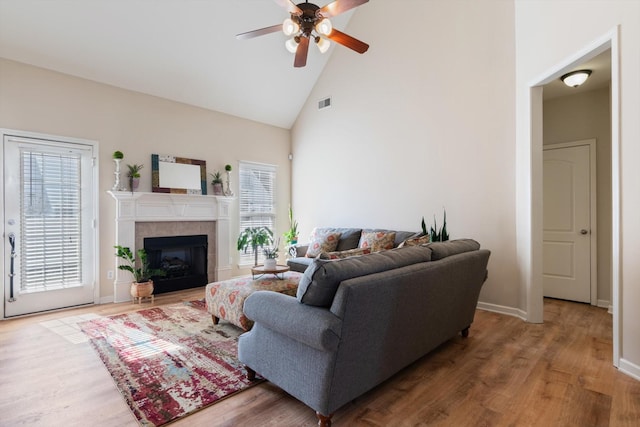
pixel 158 207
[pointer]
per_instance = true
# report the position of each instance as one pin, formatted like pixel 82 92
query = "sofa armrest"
pixel 312 326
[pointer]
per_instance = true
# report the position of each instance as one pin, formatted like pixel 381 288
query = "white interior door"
pixel 49 225
pixel 567 220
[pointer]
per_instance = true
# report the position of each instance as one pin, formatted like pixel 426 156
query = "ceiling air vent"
pixel 324 103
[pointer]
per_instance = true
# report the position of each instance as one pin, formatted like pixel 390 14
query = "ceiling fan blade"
pixel 290 6
pixel 339 6
pixel 348 41
pixel 260 32
pixel 301 52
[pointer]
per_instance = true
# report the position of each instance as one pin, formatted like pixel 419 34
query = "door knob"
pixel 583 231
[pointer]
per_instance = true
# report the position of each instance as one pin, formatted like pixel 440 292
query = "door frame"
pixel 533 240
pixel 96 175
pixel 593 208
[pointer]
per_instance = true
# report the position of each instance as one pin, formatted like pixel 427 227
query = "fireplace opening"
pixel 182 258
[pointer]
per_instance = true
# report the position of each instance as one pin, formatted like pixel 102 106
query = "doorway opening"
pixel 607 43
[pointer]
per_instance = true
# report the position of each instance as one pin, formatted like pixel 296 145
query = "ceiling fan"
pixel 309 22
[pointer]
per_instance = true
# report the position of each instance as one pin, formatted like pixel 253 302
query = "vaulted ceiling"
pixel 186 51
pixel 183 50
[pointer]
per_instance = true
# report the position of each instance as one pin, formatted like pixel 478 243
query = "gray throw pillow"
pixel 321 279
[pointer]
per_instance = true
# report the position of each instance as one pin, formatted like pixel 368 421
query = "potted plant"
pixel 291 236
pixel 117 158
pixel 254 238
pixel 216 181
pixel 142 285
pixel 441 235
pixel 134 176
pixel 271 256
pixel 228 191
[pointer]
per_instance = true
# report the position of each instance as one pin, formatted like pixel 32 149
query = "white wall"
pixel 543 40
pixel 584 116
pixel 38 100
pixel 423 121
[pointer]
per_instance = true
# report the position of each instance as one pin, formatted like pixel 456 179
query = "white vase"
pixel 270 263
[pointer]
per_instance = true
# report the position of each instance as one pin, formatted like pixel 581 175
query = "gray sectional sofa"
pixel 357 321
pixel 349 239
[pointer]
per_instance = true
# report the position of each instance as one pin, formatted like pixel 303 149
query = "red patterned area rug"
pixel 169 361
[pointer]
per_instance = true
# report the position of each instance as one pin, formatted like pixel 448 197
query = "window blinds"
pixel 51 246
pixel 257 201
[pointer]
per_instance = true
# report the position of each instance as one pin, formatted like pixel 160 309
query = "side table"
pixel 278 271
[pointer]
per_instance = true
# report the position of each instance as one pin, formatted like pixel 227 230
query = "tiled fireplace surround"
pixel 140 215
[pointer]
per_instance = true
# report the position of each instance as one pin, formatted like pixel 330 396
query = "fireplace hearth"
pixel 182 258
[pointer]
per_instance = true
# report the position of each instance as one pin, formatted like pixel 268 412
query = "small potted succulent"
pixel 134 176
pixel 142 285
pixel 216 181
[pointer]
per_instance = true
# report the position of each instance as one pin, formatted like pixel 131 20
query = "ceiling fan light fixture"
pixel 323 44
pixel 324 27
pixel 289 27
pixel 575 78
pixel 291 45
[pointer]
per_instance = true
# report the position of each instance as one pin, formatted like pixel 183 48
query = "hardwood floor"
pixel 506 373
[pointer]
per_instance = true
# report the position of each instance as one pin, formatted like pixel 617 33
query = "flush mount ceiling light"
pixel 575 78
pixel 309 22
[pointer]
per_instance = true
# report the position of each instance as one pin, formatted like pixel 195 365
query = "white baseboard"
pixel 106 300
pixel 603 303
pixel 509 311
pixel 629 368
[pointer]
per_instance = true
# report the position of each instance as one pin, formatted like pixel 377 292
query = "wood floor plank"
pixel 506 373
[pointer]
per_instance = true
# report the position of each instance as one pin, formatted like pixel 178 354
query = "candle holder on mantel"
pixel 227 191
pixel 116 184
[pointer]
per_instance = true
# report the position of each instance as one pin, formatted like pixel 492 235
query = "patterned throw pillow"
pixel 415 241
pixel 377 240
pixel 322 241
pixel 345 254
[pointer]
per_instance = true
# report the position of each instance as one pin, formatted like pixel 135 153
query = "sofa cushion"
pixel 349 238
pixel 377 240
pixel 321 279
pixel 415 241
pixel 452 247
pixel 299 264
pixel 345 254
pixel 322 240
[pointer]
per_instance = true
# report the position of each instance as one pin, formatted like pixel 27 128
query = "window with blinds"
pixel 51 245
pixel 257 201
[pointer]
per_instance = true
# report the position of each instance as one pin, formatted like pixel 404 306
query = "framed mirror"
pixel 170 174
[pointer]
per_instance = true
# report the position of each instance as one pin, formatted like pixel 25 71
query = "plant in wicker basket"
pixel 142 285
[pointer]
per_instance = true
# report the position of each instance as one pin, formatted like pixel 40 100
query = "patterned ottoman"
pixel 225 299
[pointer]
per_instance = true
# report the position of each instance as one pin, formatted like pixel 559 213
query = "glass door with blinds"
pixel 49 229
